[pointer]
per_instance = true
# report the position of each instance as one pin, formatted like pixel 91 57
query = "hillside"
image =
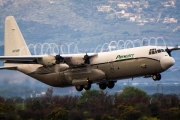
pixel 42 17
pixel 82 21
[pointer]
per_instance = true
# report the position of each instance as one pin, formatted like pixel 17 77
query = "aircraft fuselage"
pixel 106 66
pixel 81 70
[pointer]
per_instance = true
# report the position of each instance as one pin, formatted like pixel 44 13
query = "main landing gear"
pixel 86 87
pixel 102 86
pixel 156 77
pixel 109 84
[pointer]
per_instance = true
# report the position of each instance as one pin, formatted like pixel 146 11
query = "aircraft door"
pixel 111 65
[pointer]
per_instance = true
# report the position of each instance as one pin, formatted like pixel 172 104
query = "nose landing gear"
pixel 156 77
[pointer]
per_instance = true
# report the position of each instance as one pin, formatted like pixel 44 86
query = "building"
pixel 104 8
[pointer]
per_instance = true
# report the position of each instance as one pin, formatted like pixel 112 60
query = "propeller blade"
pixel 60 67
pixel 59 59
pixel 56 68
pixel 176 47
pixel 86 59
pixel 168 51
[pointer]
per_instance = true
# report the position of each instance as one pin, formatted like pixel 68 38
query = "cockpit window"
pixel 163 50
pixel 159 51
pixel 152 51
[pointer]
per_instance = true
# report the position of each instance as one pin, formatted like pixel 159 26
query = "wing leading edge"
pixel 33 59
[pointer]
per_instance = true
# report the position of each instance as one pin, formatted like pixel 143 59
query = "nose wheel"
pixel 156 77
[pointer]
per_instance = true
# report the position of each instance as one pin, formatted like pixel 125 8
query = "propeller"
pixel 168 51
pixel 59 59
pixel 86 59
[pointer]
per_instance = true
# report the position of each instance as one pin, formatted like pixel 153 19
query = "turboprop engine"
pixel 51 69
pixel 47 60
pixel 60 67
pixel 51 64
pixel 79 60
pixel 75 61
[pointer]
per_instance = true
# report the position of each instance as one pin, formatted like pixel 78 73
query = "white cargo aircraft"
pixel 82 70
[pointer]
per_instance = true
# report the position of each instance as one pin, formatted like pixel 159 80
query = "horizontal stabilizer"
pixel 8 68
pixel 23 58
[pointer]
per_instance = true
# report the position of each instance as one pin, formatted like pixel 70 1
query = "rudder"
pixel 14 43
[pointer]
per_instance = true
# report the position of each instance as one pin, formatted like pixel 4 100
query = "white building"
pixel 122 5
pixel 104 8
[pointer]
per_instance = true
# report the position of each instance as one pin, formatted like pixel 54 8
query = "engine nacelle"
pixel 47 60
pixel 51 69
pixel 61 67
pixel 75 61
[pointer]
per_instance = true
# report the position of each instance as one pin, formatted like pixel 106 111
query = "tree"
pixel 107 117
pixel 127 112
pixel 49 92
pixel 132 92
pixel 172 113
pixel 58 114
pixel 7 111
pixel 147 118
pixel 91 93
pixel 94 103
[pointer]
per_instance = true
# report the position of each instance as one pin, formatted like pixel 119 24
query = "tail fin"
pixel 14 43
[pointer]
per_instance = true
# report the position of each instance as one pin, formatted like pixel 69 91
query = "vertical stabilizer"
pixel 14 44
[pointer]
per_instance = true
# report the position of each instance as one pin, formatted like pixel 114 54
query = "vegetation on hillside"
pixel 80 20
pixel 131 104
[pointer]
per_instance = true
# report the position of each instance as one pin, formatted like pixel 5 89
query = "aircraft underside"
pixel 104 74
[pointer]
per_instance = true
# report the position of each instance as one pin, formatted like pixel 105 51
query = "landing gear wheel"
pixel 102 86
pixel 87 87
pixel 156 77
pixel 110 85
pixel 79 88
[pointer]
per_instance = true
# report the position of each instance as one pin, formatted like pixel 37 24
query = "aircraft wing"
pixel 34 59
pixel 8 68
pixel 23 58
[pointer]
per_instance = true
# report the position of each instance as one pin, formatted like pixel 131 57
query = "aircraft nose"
pixel 167 62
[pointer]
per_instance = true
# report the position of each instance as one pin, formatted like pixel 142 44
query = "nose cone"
pixel 167 62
